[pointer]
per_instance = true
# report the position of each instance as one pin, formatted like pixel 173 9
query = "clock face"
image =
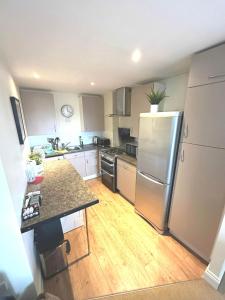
pixel 67 110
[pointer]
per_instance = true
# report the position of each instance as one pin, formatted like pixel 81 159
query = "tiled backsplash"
pixel 42 139
pixel 88 136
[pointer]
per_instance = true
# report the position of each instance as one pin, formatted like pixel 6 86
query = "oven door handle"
pixel 105 162
pixel 107 173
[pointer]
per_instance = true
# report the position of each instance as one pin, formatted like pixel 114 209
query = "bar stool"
pixel 52 247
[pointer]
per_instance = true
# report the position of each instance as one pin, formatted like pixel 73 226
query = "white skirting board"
pixel 211 278
pixel 91 176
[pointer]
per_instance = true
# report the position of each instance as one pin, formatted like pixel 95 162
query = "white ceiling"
pixel 70 43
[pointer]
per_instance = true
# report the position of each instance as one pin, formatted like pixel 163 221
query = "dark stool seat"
pixel 48 235
pixel 52 247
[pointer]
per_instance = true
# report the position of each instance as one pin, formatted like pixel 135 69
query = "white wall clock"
pixel 67 111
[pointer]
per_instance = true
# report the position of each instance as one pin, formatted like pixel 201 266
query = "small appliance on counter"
pixel 95 140
pixel 131 149
pixel 103 142
pixel 31 171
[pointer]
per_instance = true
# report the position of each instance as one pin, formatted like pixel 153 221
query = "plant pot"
pixel 154 108
pixel 39 169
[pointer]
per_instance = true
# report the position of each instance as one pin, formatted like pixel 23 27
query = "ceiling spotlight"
pixel 36 75
pixel 92 83
pixel 136 55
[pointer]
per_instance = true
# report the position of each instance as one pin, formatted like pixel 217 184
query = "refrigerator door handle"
pixel 186 131
pixel 182 155
pixel 150 178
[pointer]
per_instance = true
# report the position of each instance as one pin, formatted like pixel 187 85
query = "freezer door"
pixel 158 144
pixel 152 201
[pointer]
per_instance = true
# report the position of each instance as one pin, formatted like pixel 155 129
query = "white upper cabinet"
pixel 204 115
pixel 208 67
pixel 92 113
pixel 39 112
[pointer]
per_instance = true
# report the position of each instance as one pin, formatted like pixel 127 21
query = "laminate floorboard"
pixel 126 253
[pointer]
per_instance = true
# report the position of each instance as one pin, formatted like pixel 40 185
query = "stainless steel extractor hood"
pixel 121 102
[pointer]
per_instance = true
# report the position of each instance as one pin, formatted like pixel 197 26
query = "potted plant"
pixel 37 157
pixel 154 98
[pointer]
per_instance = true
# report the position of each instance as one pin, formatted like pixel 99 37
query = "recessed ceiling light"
pixel 36 75
pixel 92 83
pixel 136 55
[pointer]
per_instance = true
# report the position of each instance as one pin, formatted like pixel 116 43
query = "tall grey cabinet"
pixel 199 190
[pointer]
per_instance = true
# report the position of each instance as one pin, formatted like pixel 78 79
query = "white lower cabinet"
pixel 72 221
pixel 77 160
pixel 91 164
pixel 86 163
pixel 126 179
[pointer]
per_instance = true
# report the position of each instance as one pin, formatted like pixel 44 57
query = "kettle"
pixel 95 140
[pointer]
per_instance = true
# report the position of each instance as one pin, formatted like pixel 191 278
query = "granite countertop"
pixel 87 147
pixel 63 191
pixel 129 159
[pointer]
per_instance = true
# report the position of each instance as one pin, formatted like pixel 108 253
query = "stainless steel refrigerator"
pixel 158 142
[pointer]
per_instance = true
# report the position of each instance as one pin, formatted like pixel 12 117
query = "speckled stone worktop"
pixel 63 191
pixel 87 147
pixel 129 159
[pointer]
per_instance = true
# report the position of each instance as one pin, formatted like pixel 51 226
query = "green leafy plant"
pixel 36 156
pixel 155 97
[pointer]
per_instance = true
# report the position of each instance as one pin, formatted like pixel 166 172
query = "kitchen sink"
pixel 72 148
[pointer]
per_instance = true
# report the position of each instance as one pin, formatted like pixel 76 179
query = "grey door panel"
pixel 157 142
pixel 151 200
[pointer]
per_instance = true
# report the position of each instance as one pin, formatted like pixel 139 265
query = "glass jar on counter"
pixel 31 170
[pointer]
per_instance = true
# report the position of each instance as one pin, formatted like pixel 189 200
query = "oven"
pixel 108 172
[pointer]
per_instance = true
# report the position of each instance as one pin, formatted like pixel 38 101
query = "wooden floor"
pixel 126 253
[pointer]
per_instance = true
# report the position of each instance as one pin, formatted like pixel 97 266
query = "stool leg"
pixel 87 232
pixel 88 241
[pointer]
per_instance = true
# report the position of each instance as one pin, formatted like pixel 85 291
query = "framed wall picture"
pixel 17 112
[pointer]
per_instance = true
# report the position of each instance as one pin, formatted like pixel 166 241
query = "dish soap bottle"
pixel 81 141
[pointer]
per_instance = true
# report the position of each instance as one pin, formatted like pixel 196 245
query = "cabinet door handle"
pixel 186 131
pixel 182 155
pixel 216 76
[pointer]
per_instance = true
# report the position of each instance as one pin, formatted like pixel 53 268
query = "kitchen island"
pixel 64 192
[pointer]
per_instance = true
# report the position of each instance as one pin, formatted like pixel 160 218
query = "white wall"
pixel 176 88
pixel 13 157
pixel 68 130
pixel 108 121
pixel 216 268
pixel 14 266
pixel 111 123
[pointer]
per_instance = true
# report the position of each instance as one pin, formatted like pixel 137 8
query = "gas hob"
pixel 111 153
